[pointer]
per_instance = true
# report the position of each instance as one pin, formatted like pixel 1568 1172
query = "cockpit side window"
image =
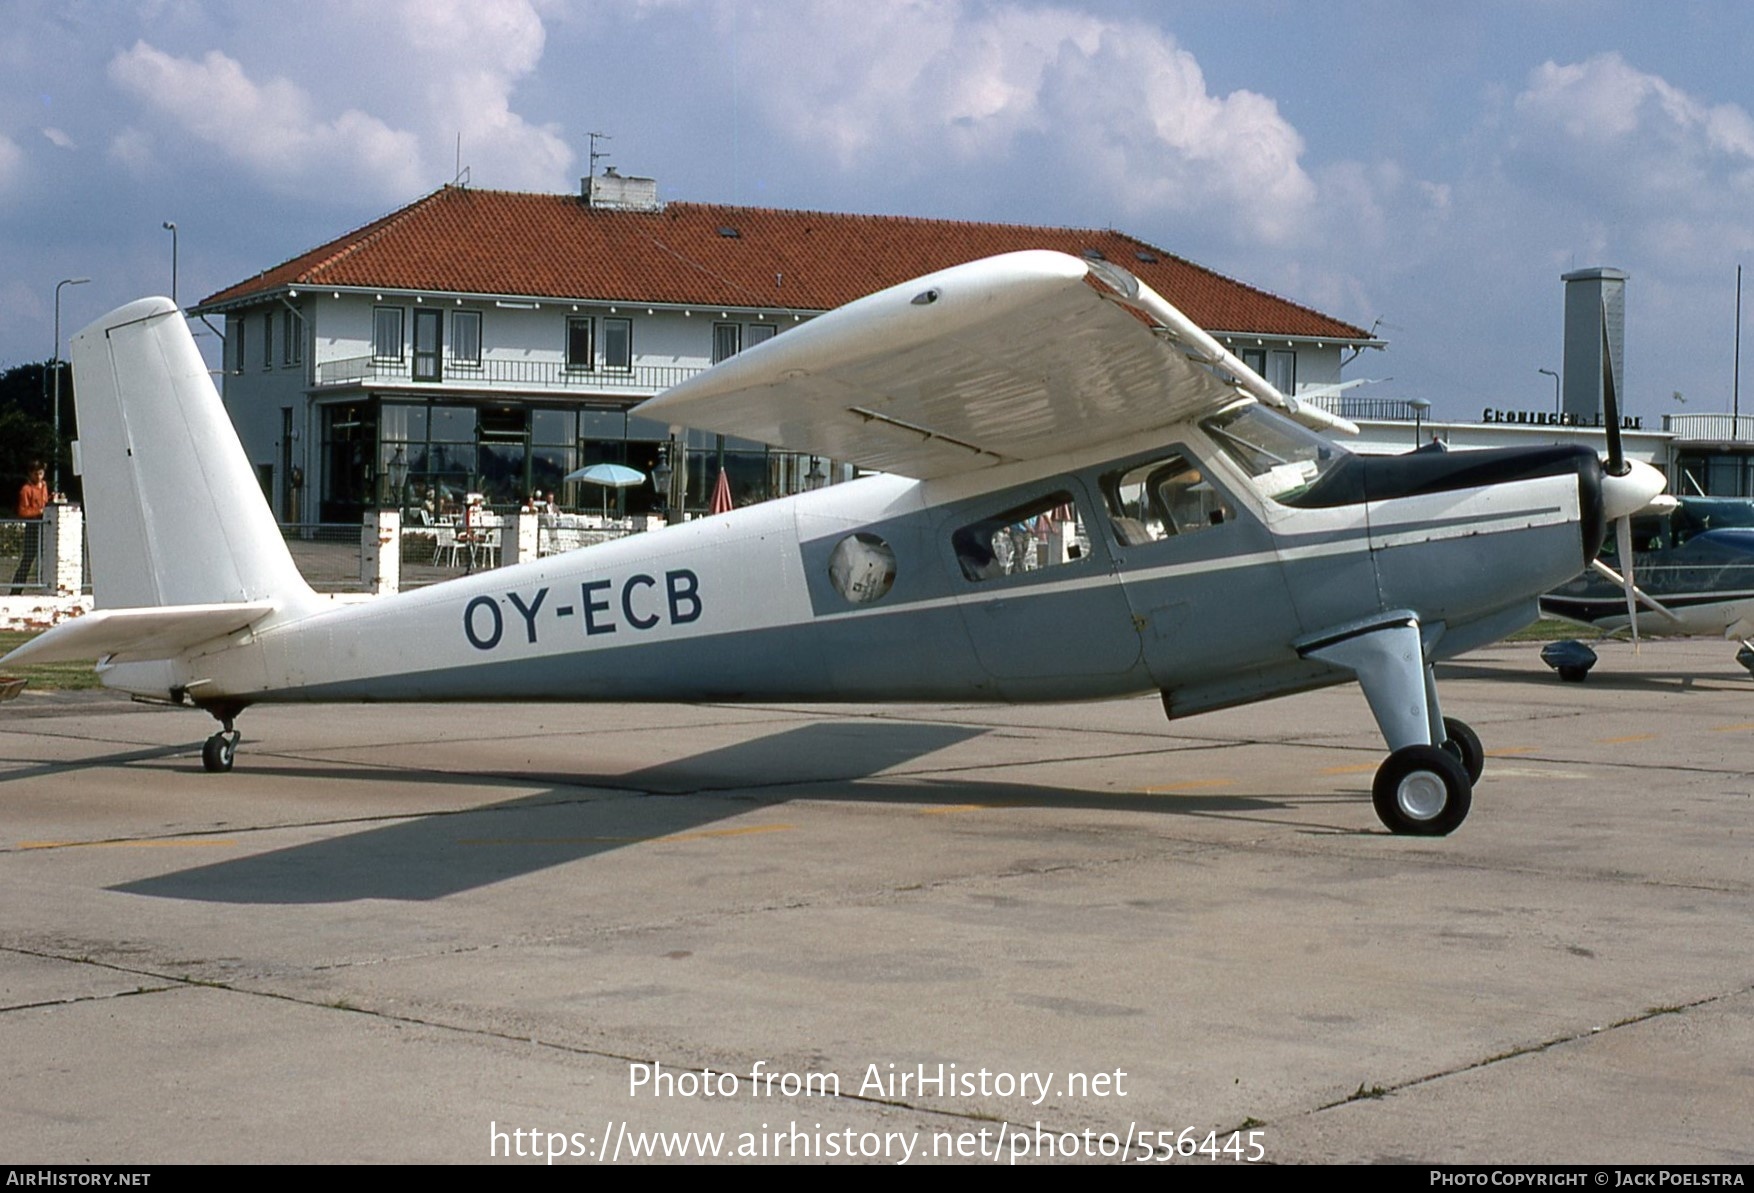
pixel 1161 499
pixel 1045 533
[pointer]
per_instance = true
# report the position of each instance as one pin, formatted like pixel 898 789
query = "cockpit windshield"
pixel 1283 458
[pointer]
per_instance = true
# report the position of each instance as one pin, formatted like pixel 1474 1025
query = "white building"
pixel 493 341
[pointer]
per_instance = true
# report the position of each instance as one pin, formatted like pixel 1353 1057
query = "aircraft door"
pixel 1199 571
pixel 1040 605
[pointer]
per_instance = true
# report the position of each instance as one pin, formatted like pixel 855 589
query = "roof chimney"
pixel 610 191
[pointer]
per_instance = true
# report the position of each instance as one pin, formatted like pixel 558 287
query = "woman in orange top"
pixel 33 498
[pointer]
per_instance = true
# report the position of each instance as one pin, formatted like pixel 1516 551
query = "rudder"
pixel 172 505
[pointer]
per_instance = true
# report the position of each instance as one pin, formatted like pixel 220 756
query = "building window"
pixel 292 350
pixel 387 333
pixel 727 341
pixel 1281 371
pixel 580 352
pixel 760 333
pixel 466 337
pixel 618 344
pixel 267 339
pixel 238 323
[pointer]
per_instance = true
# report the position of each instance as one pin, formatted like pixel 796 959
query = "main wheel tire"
pixel 1461 741
pixel 218 753
pixel 1422 791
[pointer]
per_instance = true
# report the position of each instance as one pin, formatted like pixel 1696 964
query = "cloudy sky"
pixel 1426 168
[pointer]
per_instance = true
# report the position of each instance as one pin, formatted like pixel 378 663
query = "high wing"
pixel 1010 358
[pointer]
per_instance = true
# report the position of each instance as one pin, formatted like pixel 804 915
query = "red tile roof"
pixel 462 241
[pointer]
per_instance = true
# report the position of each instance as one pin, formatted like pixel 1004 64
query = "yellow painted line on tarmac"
pixel 1732 728
pixel 1615 741
pixel 167 843
pixel 949 809
pixel 1357 768
pixel 702 835
pixel 1188 785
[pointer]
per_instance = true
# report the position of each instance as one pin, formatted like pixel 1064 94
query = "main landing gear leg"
pixel 219 751
pixel 1426 785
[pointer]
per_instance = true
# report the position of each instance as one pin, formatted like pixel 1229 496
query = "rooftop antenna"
pixel 595 156
pixel 461 177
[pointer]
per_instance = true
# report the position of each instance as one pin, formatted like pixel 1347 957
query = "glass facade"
pixel 429 455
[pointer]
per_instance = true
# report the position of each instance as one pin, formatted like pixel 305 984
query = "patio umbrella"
pixel 721 503
pixel 610 476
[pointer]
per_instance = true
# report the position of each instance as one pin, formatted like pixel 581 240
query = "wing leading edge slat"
pixel 1011 358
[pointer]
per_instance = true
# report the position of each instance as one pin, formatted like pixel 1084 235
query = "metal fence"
pixel 332 557
pixel 327 554
pixel 21 555
pixel 1720 427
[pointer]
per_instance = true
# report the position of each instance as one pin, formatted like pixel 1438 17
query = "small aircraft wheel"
pixel 1464 744
pixel 1422 791
pixel 1574 674
pixel 219 751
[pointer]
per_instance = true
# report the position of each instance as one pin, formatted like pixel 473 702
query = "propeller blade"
pixel 1616 463
pixel 1623 541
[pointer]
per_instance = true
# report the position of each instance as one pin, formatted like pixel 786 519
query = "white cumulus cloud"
pixel 272 127
pixel 1090 104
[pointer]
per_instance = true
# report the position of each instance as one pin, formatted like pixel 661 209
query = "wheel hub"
pixel 1422 795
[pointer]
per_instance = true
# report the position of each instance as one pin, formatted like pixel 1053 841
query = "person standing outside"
pixel 33 498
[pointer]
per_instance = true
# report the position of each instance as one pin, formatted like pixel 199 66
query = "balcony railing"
pixel 1724 427
pixel 1384 409
pixel 504 375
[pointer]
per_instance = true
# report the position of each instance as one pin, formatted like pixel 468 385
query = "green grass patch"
pixel 1549 630
pixel 49 677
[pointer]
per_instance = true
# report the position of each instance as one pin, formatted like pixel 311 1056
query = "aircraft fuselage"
pixel 1115 571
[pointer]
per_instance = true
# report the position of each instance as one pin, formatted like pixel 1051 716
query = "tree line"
pixel 27 428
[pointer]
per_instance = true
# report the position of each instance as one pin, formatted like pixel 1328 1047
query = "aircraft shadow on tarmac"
pixel 1603 677
pixel 429 856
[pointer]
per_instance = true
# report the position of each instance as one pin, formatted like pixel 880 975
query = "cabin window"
pixel 1281 457
pixel 1161 499
pixel 862 568
pixel 1043 534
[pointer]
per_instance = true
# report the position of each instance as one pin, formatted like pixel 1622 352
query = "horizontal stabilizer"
pixel 138 635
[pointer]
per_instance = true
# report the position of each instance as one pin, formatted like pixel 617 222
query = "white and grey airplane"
pixel 1080 494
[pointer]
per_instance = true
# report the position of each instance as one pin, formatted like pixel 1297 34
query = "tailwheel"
pixel 1464 744
pixel 1422 791
pixel 220 750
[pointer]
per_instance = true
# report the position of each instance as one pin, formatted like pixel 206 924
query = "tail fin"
pixel 172 506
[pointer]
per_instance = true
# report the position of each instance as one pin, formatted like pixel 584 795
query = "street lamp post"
pixel 55 485
pixel 1420 407
pixel 171 227
pixel 1555 376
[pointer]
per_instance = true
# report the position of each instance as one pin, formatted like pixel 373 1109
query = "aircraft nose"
pixel 1623 496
